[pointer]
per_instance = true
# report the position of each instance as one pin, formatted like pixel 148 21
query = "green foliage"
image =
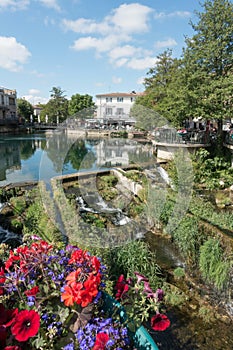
pixel 209 171
pixel 18 204
pixel 203 209
pixel 179 272
pixel 173 295
pixel 213 265
pixel 206 313
pixel 57 106
pixel 134 256
pixel 188 238
pixel 24 109
pixel 81 104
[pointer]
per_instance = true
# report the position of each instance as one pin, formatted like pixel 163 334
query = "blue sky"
pixel 87 46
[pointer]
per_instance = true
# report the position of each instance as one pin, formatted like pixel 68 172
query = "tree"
pixel 57 106
pixel 199 84
pixel 208 59
pixel 162 85
pixel 24 109
pixel 81 104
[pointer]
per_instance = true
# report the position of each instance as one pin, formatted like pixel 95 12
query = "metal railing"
pixel 186 137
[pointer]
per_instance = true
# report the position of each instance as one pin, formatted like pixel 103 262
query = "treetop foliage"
pixel 198 84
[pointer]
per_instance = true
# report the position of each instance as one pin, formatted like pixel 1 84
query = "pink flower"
pixel 140 277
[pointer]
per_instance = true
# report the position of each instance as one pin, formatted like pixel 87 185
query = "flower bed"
pixel 53 298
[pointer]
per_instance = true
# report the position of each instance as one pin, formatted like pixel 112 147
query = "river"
pixel 33 157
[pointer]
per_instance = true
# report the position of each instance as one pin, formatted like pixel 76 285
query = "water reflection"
pixel 41 156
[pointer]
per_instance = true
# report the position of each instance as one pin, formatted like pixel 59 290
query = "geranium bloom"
pixel 160 322
pixel 101 341
pixel 26 325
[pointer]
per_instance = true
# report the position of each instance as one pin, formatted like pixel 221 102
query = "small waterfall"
pixel 10 238
pixel 94 203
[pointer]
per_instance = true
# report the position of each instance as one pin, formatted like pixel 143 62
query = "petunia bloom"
pixel 26 325
pixel 160 322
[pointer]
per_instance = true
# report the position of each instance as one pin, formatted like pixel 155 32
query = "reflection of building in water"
pixel 10 159
pixel 116 152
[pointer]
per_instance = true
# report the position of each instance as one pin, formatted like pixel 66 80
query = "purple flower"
pixel 159 294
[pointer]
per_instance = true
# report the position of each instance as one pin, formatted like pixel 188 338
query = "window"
pixel 132 99
pixel 108 99
pixel 120 99
pixel 108 111
pixel 120 111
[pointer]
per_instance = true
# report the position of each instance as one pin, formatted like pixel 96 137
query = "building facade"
pixel 115 107
pixel 8 106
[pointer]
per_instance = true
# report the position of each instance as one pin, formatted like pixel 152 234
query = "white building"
pixel 115 107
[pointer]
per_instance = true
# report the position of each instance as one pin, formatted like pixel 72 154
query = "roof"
pixel 121 94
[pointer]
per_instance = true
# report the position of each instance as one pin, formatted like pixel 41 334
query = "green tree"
pixel 57 106
pixel 24 109
pixel 81 104
pixel 208 60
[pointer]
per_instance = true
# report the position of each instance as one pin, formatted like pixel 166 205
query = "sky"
pixel 87 46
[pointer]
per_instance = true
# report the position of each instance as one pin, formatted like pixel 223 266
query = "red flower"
pixel 69 296
pixel 26 325
pixel 95 263
pixel 122 287
pixel 32 292
pixel 13 347
pixel 160 322
pixel 101 341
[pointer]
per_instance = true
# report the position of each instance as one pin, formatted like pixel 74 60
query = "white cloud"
pixel 33 91
pixel 99 44
pixel 128 19
pixel 53 4
pixel 127 51
pixel 141 63
pixel 116 80
pixel 131 18
pixel 166 43
pixel 13 54
pixel 163 15
pixel 121 62
pixel 14 4
pixel 86 26
pixel 35 100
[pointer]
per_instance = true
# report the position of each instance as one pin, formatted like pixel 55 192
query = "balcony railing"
pixel 173 136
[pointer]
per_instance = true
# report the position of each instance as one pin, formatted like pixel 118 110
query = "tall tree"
pixel 208 59
pixel 24 109
pixel 57 107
